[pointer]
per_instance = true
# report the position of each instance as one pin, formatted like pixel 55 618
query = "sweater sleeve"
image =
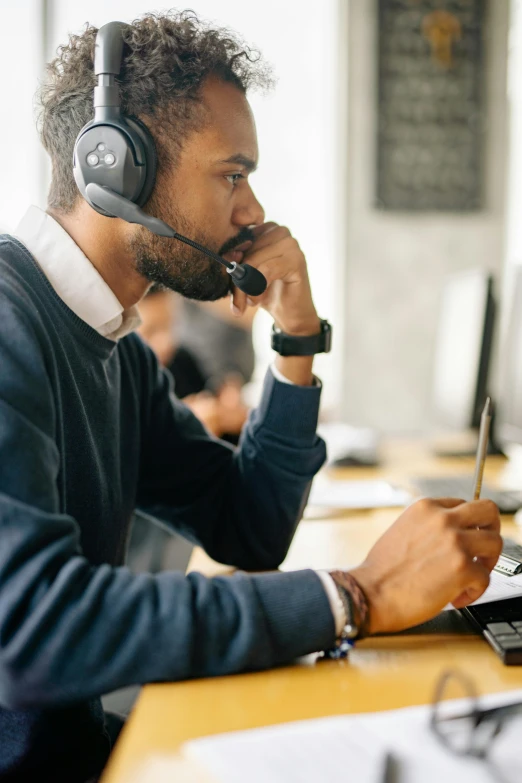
pixel 242 505
pixel 70 630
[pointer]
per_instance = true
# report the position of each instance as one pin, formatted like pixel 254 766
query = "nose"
pixel 249 211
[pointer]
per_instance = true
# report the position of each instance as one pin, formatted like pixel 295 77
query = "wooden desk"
pixel 382 673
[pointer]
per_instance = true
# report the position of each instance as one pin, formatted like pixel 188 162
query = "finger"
pixel 264 228
pixel 432 503
pixel 258 257
pixel 285 267
pixel 484 544
pixel 478 513
pixel 285 246
pixel 489 563
pixel 447 502
pixel 476 585
pixel 270 237
pixel 238 302
pixel 280 268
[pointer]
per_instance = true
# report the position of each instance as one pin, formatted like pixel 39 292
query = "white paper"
pixel 501 587
pixel 327 493
pixel 343 748
pixel 294 753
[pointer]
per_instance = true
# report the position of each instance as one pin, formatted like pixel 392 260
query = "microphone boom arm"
pixel 245 277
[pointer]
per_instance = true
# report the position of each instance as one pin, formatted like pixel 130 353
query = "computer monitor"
pixel 509 403
pixel 463 350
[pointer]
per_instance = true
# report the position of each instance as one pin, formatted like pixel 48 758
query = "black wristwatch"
pixel 290 345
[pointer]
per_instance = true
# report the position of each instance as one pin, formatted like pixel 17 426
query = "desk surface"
pixel 382 673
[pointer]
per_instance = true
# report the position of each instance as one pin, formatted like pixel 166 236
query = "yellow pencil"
pixel 482 449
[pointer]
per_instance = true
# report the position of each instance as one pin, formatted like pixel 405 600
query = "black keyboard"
pixel 500 623
pixel 512 549
pixel 508 501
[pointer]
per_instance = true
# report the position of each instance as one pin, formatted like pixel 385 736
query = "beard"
pixel 172 264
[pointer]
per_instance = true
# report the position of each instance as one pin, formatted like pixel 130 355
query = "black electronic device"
pixel 462 360
pixel 508 501
pixel 500 622
pixel 510 561
pixel 115 162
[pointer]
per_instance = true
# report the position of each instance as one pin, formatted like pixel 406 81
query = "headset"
pixel 115 162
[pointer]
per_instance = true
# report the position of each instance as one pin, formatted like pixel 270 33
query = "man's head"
pixel 188 83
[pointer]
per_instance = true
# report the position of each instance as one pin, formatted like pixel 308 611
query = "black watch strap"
pixel 290 345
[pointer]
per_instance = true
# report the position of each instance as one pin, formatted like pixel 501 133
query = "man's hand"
pixel 437 552
pixel 288 297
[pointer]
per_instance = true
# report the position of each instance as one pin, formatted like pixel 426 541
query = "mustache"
pixel 245 235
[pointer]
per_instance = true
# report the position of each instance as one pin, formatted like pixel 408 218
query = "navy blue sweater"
pixel 90 429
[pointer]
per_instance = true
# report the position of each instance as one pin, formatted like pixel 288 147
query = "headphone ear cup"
pixel 119 155
pixel 151 157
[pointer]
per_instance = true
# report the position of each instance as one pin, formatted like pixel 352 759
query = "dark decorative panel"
pixel 431 105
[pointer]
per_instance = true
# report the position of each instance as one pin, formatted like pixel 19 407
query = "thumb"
pixel 449 502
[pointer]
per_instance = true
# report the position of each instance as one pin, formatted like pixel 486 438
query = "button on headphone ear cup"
pixel 151 157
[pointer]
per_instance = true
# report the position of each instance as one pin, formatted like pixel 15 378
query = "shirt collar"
pixel 74 278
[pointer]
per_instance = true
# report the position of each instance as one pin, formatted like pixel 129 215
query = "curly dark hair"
pixel 166 59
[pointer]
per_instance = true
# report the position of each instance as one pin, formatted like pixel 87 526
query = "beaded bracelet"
pixel 356 611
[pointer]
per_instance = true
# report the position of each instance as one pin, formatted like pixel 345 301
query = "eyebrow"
pixel 249 164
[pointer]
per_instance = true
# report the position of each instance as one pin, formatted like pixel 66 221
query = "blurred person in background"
pixel 221 341
pixel 214 396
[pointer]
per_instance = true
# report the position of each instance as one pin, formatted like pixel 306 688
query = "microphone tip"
pixel 248 279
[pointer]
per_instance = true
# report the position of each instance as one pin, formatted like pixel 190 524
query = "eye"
pixel 234 178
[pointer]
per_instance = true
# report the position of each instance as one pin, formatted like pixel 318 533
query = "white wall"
pixel 514 204
pixel 21 60
pixel 513 254
pixel 297 125
pixel 396 262
pixel 513 227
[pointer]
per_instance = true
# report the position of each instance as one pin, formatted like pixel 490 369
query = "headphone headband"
pixel 108 49
pixel 108 53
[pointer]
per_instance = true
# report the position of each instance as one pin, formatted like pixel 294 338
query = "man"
pixel 89 430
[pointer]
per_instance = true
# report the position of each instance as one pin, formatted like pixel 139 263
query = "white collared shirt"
pixel 74 278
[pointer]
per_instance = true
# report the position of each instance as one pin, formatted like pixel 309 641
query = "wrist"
pixel 371 589
pixel 297 369
pixel 356 602
pixel 302 327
